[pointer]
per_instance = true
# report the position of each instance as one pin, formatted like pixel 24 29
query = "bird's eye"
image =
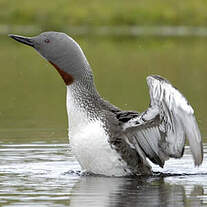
pixel 47 41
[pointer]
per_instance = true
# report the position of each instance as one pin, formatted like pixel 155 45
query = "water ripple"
pixel 36 175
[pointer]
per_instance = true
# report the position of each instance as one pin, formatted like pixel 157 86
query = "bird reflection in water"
pixel 145 192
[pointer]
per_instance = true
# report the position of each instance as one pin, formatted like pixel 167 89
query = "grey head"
pixel 62 52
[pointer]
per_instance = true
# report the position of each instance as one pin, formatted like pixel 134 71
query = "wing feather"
pixel 161 130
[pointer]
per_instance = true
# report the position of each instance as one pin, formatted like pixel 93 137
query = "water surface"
pixel 37 174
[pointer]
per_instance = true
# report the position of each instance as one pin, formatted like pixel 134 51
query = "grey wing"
pixel 159 133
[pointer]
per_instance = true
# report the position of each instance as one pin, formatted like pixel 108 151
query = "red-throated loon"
pixel 106 140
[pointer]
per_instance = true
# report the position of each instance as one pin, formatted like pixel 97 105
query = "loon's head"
pixel 61 51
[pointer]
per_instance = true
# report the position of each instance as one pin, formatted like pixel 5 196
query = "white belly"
pixel 89 142
pixel 92 150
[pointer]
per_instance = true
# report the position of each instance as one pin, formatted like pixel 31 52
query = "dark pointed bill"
pixel 24 40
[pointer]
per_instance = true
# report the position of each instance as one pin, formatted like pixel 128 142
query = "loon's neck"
pixel 83 103
pixel 83 91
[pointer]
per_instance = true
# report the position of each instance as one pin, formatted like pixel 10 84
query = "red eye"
pixel 47 41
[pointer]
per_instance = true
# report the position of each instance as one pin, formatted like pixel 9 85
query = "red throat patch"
pixel 68 79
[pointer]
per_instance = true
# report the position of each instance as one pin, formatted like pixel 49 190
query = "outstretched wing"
pixel 160 131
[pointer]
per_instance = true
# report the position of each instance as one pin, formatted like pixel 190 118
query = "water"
pixel 35 156
pixel 36 174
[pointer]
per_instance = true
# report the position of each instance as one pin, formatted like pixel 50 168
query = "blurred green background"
pixel 63 13
pixel 174 45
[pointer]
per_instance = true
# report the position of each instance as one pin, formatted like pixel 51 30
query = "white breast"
pixel 89 143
